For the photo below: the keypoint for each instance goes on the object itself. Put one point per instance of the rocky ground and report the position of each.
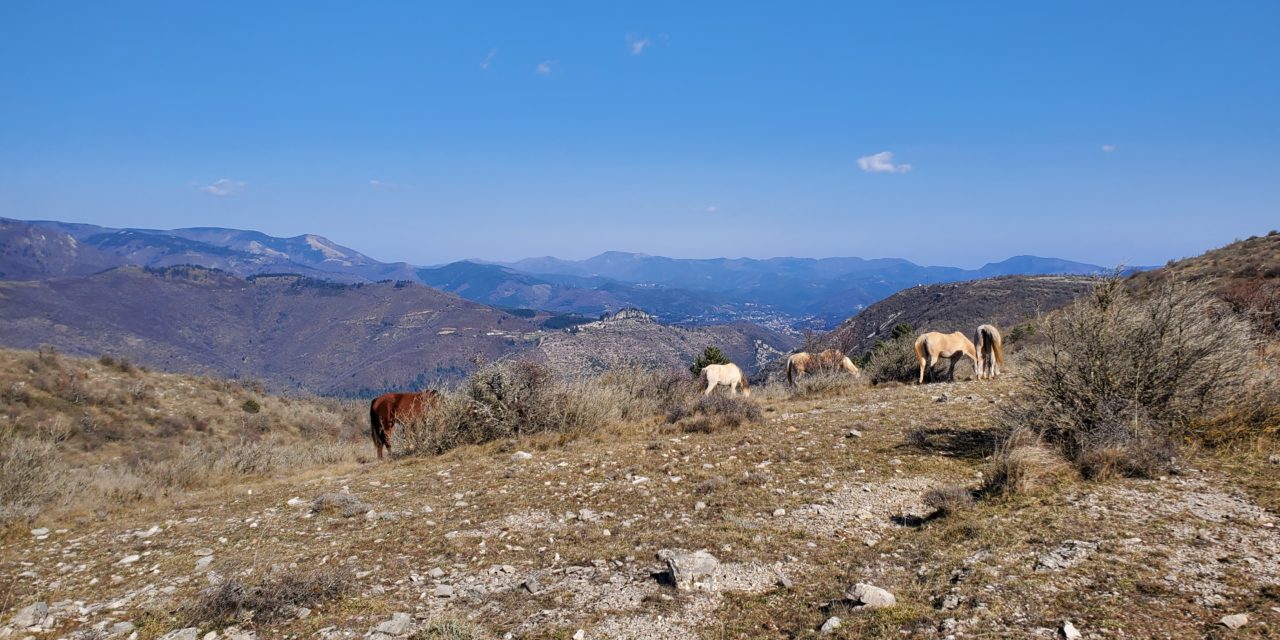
(808, 524)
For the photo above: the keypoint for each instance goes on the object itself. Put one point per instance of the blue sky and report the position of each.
(1100, 131)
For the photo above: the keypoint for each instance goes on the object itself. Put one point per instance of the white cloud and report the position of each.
(383, 185)
(224, 187)
(882, 163)
(638, 44)
(488, 59)
(544, 67)
(712, 209)
(1108, 148)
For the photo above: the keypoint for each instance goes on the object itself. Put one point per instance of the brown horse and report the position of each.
(934, 346)
(830, 360)
(389, 408)
(990, 351)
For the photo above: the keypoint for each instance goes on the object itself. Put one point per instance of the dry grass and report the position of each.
(242, 596)
(1023, 465)
(343, 504)
(948, 500)
(712, 413)
(95, 434)
(451, 630)
(826, 384)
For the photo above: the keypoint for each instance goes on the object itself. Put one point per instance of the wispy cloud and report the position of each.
(712, 209)
(638, 44)
(545, 67)
(488, 59)
(224, 187)
(383, 185)
(882, 163)
(1108, 148)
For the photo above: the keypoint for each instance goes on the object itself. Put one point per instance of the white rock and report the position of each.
(190, 633)
(397, 625)
(203, 563)
(779, 512)
(579, 634)
(203, 551)
(31, 615)
(40, 532)
(869, 596)
(1234, 621)
(436, 572)
(831, 624)
(691, 571)
(130, 559)
(522, 455)
(443, 591)
(1069, 631)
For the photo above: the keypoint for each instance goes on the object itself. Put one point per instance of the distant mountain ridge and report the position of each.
(783, 293)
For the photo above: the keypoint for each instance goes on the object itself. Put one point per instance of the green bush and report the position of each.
(710, 355)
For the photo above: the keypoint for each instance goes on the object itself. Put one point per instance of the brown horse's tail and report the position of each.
(376, 429)
(791, 372)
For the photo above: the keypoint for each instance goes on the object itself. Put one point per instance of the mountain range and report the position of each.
(782, 293)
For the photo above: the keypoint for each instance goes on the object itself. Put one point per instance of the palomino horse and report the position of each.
(934, 346)
(830, 360)
(389, 408)
(988, 343)
(725, 374)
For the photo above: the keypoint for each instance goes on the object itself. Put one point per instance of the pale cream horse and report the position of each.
(830, 360)
(725, 374)
(934, 346)
(990, 350)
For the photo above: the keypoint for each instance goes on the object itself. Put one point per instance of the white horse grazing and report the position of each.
(990, 349)
(725, 374)
(830, 360)
(934, 346)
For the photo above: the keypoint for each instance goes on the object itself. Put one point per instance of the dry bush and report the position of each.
(1120, 373)
(1023, 465)
(893, 361)
(343, 504)
(826, 383)
(240, 597)
(31, 476)
(714, 412)
(450, 630)
(948, 500)
(644, 393)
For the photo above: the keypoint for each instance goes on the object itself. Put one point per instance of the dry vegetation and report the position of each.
(97, 434)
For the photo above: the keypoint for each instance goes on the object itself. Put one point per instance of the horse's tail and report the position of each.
(791, 372)
(997, 347)
(746, 386)
(922, 348)
(376, 429)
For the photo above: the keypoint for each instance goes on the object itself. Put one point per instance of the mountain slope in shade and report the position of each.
(291, 331)
(28, 252)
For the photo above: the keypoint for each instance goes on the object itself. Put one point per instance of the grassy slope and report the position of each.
(491, 523)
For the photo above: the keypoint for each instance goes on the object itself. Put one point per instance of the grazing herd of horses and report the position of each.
(985, 350)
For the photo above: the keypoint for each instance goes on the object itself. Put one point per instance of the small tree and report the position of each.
(902, 329)
(710, 355)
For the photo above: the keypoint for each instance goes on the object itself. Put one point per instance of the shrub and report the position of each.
(715, 412)
(251, 406)
(893, 361)
(1119, 377)
(710, 355)
(276, 595)
(1022, 465)
(343, 504)
(948, 500)
(31, 476)
(825, 383)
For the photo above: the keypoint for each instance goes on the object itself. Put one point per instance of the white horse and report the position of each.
(934, 346)
(990, 349)
(725, 374)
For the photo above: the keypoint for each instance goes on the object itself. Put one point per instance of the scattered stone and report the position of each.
(579, 634)
(190, 633)
(949, 625)
(1069, 631)
(203, 551)
(691, 571)
(436, 572)
(853, 433)
(40, 532)
(31, 615)
(296, 502)
(782, 581)
(1274, 459)
(868, 596)
(699, 506)
(130, 559)
(522, 455)
(397, 625)
(531, 585)
(236, 633)
(122, 628)
(831, 624)
(443, 591)
(203, 563)
(344, 504)
(1234, 621)
(1068, 554)
(949, 601)
(779, 512)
